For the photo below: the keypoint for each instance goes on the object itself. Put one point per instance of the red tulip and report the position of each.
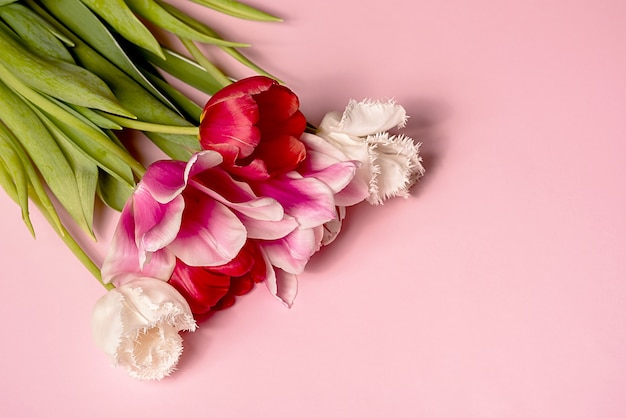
(214, 288)
(256, 125)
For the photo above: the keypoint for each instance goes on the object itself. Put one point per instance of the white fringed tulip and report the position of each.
(137, 325)
(390, 165)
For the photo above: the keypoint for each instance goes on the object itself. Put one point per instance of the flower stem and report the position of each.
(152, 127)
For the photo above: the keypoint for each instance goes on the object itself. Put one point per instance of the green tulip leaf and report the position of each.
(45, 153)
(188, 106)
(34, 32)
(113, 192)
(154, 12)
(186, 70)
(170, 145)
(8, 184)
(59, 79)
(94, 143)
(201, 27)
(19, 179)
(237, 9)
(80, 19)
(117, 14)
(36, 189)
(85, 170)
(96, 118)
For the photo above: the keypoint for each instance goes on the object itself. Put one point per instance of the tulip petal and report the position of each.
(333, 228)
(255, 170)
(292, 253)
(164, 180)
(244, 87)
(201, 288)
(308, 200)
(370, 117)
(122, 262)
(281, 154)
(330, 165)
(239, 265)
(355, 192)
(268, 230)
(200, 162)
(137, 325)
(284, 286)
(277, 104)
(396, 166)
(231, 122)
(156, 224)
(321, 153)
(237, 195)
(210, 234)
(279, 114)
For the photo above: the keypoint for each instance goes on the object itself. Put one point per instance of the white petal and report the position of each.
(370, 117)
(396, 166)
(137, 325)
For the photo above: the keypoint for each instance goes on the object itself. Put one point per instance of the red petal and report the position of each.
(244, 87)
(201, 288)
(281, 154)
(231, 122)
(239, 266)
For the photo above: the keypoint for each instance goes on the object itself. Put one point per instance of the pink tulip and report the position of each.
(194, 212)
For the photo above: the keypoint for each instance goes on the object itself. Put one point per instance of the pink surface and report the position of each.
(497, 290)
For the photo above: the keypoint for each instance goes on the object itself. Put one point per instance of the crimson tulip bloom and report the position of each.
(255, 124)
(213, 288)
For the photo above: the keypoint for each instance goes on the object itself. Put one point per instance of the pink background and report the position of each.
(497, 290)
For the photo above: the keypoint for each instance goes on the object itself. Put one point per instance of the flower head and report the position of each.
(213, 236)
(214, 288)
(138, 325)
(390, 164)
(255, 124)
(194, 212)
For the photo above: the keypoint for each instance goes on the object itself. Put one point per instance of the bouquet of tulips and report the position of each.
(247, 190)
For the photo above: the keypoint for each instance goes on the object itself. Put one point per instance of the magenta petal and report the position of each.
(164, 180)
(292, 253)
(156, 224)
(201, 161)
(281, 284)
(210, 234)
(284, 286)
(261, 208)
(337, 176)
(122, 261)
(268, 230)
(308, 200)
(320, 153)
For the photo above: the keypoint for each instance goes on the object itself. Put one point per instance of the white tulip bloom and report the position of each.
(390, 165)
(137, 325)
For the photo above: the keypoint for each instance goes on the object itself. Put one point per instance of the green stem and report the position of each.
(71, 243)
(213, 71)
(152, 127)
